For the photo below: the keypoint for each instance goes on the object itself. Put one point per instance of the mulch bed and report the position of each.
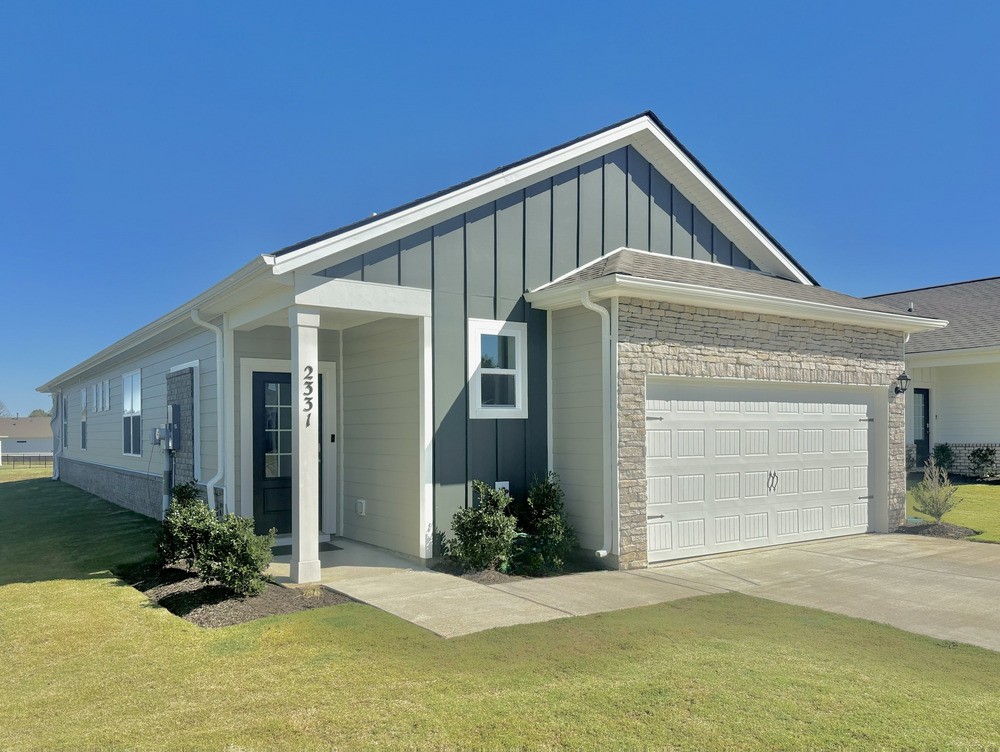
(181, 592)
(940, 530)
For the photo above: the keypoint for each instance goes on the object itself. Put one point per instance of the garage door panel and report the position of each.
(726, 473)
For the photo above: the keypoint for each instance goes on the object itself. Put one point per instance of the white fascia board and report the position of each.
(730, 300)
(969, 356)
(369, 297)
(256, 269)
(429, 212)
(706, 185)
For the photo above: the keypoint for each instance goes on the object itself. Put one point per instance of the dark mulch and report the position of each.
(493, 577)
(181, 592)
(940, 530)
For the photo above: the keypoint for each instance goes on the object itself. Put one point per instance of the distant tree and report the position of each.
(39, 413)
(4, 412)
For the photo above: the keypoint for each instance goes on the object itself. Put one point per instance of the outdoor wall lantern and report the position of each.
(902, 383)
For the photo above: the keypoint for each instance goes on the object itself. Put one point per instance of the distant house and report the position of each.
(605, 309)
(26, 436)
(955, 394)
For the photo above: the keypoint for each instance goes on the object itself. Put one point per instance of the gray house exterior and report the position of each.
(541, 317)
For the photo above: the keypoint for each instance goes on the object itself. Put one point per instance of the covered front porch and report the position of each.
(331, 418)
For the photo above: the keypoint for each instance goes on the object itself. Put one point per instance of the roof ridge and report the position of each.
(934, 287)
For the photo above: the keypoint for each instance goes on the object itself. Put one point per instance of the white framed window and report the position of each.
(132, 414)
(83, 418)
(105, 397)
(498, 369)
(65, 422)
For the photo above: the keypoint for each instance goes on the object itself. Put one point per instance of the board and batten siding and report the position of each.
(104, 428)
(479, 264)
(381, 440)
(577, 425)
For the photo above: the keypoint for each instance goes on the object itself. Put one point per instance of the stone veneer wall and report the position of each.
(675, 340)
(136, 491)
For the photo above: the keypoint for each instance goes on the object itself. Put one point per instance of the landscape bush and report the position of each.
(226, 550)
(983, 461)
(235, 557)
(944, 456)
(548, 538)
(186, 528)
(484, 533)
(934, 495)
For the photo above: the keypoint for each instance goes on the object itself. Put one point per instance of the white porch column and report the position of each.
(304, 323)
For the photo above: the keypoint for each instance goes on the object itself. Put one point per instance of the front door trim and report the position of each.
(328, 370)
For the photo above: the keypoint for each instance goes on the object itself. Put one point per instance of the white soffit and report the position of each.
(642, 133)
(681, 293)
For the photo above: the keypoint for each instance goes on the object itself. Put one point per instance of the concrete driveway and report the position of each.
(941, 588)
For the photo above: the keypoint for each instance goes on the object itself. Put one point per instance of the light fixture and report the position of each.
(902, 383)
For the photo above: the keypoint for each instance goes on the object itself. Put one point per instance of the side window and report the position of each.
(498, 361)
(132, 414)
(83, 418)
(65, 422)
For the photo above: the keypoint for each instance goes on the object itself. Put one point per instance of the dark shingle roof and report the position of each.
(653, 266)
(972, 309)
(26, 428)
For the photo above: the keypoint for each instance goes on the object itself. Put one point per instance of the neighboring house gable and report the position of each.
(955, 394)
(26, 435)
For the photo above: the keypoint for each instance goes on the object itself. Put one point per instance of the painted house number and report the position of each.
(307, 392)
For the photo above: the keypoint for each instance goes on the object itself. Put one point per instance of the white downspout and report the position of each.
(610, 492)
(220, 407)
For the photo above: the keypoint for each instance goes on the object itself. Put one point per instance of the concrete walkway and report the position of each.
(942, 588)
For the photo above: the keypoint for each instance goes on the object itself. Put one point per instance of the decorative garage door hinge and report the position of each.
(655, 516)
(866, 420)
(865, 498)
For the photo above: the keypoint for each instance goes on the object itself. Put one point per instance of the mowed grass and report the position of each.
(11, 472)
(89, 663)
(978, 508)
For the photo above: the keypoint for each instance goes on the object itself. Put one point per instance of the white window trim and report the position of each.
(125, 376)
(517, 330)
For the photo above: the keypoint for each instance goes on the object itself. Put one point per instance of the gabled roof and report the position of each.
(644, 131)
(26, 428)
(972, 309)
(631, 273)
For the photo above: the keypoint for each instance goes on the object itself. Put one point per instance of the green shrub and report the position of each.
(984, 461)
(934, 495)
(548, 538)
(186, 528)
(944, 456)
(484, 534)
(235, 557)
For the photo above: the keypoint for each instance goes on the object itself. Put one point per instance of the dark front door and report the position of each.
(272, 452)
(922, 424)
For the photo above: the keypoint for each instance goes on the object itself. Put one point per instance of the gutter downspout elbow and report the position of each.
(220, 407)
(610, 496)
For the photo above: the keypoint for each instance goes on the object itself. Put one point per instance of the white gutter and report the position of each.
(220, 391)
(610, 492)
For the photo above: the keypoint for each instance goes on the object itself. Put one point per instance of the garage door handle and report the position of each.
(655, 516)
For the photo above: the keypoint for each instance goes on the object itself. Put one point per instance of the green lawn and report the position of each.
(979, 508)
(89, 663)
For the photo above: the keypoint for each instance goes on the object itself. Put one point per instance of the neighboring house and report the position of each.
(955, 394)
(605, 309)
(25, 436)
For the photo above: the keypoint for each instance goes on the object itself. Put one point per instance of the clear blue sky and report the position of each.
(149, 149)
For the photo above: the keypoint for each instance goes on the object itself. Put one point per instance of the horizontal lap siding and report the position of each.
(381, 434)
(577, 427)
(478, 265)
(104, 429)
(963, 406)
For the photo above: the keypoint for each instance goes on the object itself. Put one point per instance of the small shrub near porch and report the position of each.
(225, 551)
(935, 494)
(525, 536)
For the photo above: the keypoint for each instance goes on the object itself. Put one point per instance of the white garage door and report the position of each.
(734, 467)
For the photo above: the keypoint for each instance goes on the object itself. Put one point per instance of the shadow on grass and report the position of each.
(50, 530)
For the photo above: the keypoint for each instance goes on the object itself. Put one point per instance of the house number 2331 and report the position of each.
(307, 393)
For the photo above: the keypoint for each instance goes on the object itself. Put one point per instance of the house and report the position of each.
(605, 309)
(955, 395)
(25, 436)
